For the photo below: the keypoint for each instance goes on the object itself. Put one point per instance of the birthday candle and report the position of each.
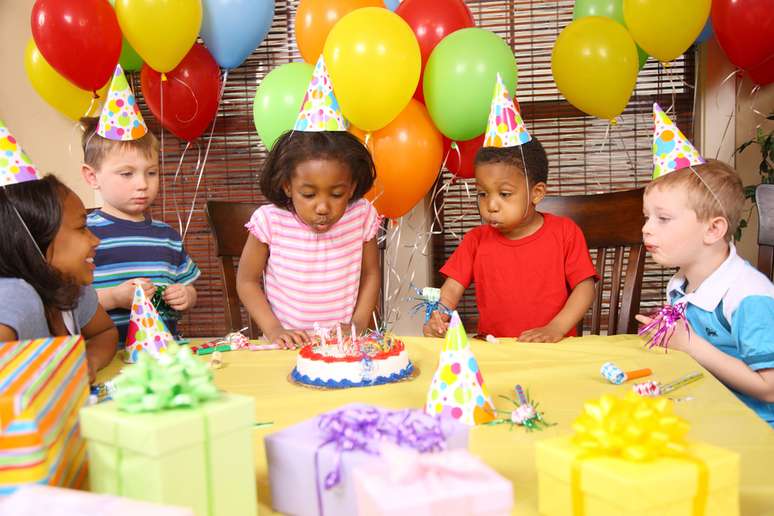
(520, 395)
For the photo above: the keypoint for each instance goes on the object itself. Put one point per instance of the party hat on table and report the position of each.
(15, 165)
(671, 149)
(121, 118)
(320, 111)
(458, 389)
(505, 127)
(147, 332)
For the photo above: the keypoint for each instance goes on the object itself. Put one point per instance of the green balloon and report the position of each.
(278, 100)
(460, 77)
(612, 9)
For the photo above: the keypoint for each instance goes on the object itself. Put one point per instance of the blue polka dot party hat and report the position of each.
(121, 119)
(671, 149)
(147, 331)
(15, 165)
(505, 127)
(320, 111)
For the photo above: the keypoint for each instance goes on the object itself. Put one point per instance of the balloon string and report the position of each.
(730, 118)
(174, 186)
(163, 182)
(196, 102)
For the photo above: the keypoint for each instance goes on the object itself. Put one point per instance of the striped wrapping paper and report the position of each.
(43, 385)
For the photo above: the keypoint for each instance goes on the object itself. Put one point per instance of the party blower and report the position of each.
(616, 375)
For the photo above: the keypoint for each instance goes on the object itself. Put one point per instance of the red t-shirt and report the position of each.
(521, 284)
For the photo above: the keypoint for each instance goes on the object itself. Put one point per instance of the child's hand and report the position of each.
(178, 297)
(680, 340)
(288, 339)
(124, 293)
(545, 333)
(437, 325)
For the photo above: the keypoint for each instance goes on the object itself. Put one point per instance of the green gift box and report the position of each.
(200, 457)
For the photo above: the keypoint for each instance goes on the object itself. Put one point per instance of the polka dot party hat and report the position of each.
(320, 111)
(458, 389)
(147, 332)
(121, 118)
(671, 149)
(505, 127)
(15, 165)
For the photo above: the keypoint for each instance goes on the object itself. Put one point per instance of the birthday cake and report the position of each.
(371, 360)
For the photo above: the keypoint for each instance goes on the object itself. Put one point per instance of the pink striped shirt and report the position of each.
(313, 277)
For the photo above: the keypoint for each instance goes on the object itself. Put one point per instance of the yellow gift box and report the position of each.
(616, 464)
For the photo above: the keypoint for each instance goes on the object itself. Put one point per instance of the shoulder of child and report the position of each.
(19, 297)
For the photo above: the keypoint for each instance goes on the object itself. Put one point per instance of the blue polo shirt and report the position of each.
(733, 309)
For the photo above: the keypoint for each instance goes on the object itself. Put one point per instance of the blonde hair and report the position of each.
(95, 147)
(714, 189)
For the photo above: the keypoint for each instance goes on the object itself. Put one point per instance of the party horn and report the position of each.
(657, 389)
(616, 375)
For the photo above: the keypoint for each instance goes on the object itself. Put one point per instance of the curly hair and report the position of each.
(295, 147)
(530, 157)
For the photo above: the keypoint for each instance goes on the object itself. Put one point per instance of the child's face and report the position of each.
(320, 190)
(503, 199)
(672, 233)
(128, 182)
(74, 246)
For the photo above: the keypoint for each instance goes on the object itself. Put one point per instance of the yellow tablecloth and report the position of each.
(560, 376)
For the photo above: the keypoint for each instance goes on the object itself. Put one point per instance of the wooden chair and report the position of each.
(764, 198)
(611, 223)
(227, 221)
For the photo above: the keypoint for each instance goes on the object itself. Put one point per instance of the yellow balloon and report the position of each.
(665, 28)
(161, 31)
(374, 62)
(60, 93)
(595, 65)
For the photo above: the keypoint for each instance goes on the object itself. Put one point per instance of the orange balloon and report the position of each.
(315, 18)
(407, 154)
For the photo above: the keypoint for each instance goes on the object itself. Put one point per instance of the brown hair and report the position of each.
(699, 184)
(95, 147)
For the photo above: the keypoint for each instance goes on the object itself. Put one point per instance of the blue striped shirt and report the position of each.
(128, 250)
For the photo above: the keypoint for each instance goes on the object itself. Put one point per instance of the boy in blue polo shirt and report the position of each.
(691, 216)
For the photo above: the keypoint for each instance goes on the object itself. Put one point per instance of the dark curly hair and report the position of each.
(295, 147)
(40, 205)
(534, 159)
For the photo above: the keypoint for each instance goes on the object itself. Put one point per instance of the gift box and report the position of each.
(55, 501)
(304, 462)
(200, 458)
(43, 384)
(438, 484)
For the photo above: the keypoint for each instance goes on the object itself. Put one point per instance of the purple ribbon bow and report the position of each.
(664, 323)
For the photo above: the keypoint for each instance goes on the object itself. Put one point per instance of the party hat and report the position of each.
(121, 118)
(458, 389)
(320, 111)
(505, 127)
(15, 165)
(671, 149)
(147, 332)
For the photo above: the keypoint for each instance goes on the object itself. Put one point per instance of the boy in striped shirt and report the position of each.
(134, 248)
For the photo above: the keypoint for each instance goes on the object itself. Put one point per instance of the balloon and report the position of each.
(594, 63)
(665, 28)
(407, 154)
(161, 31)
(191, 93)
(460, 78)
(391, 4)
(431, 22)
(278, 100)
(315, 18)
(462, 164)
(706, 32)
(79, 38)
(612, 9)
(374, 62)
(129, 60)
(232, 29)
(763, 74)
(60, 93)
(745, 30)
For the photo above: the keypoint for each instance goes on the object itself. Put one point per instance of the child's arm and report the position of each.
(370, 280)
(574, 309)
(101, 338)
(251, 266)
(121, 296)
(6, 333)
(180, 297)
(451, 293)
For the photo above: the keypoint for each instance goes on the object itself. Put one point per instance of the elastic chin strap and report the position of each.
(526, 182)
(717, 199)
(24, 225)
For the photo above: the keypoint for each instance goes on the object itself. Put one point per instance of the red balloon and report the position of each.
(191, 93)
(763, 74)
(80, 39)
(744, 29)
(461, 164)
(431, 22)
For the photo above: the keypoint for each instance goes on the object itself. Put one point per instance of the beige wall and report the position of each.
(51, 140)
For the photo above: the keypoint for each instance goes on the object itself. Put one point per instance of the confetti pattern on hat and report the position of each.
(320, 111)
(505, 127)
(671, 149)
(121, 118)
(458, 389)
(15, 165)
(147, 332)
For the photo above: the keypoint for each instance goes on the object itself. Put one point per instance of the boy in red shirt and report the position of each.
(533, 274)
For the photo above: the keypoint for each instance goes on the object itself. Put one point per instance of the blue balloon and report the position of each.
(391, 4)
(232, 29)
(706, 32)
